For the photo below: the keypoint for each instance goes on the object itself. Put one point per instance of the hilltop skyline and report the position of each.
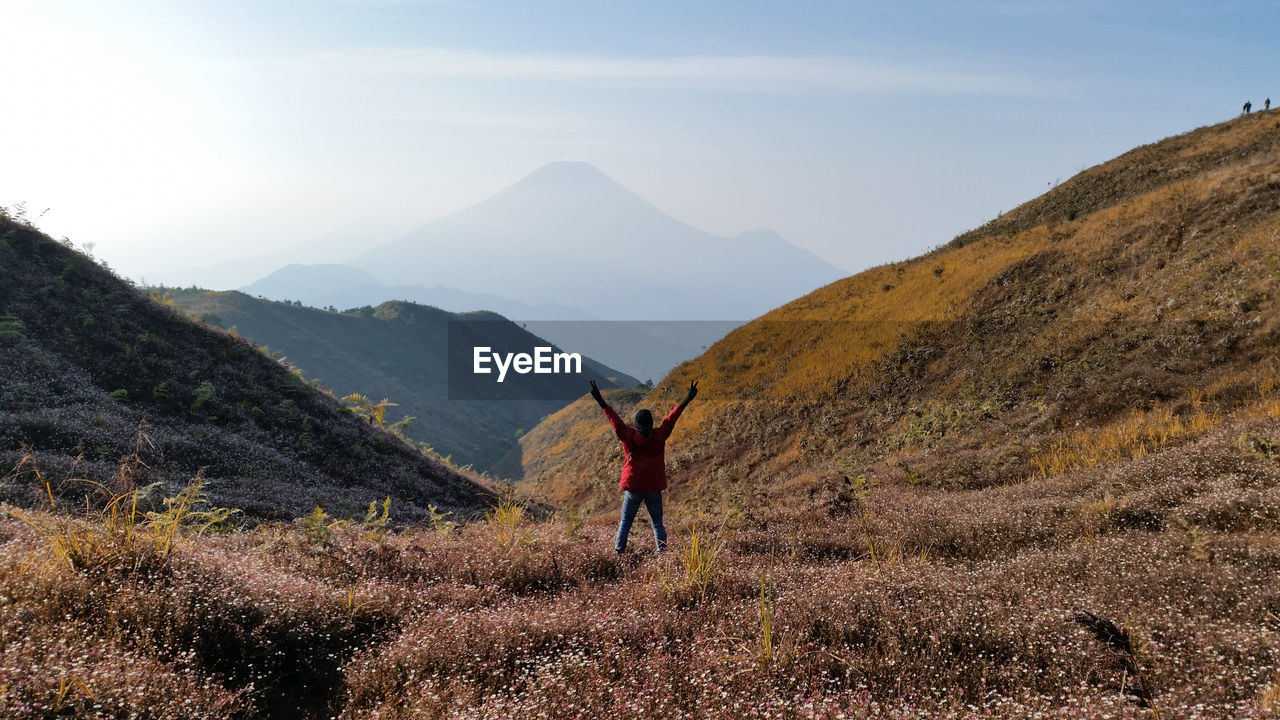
(173, 134)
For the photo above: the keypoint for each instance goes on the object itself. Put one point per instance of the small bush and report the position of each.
(204, 393)
(504, 522)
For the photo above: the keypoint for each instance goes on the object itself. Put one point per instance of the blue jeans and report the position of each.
(630, 506)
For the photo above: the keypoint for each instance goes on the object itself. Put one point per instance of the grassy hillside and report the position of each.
(398, 350)
(1127, 310)
(88, 360)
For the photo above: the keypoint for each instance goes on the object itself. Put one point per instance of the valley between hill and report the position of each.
(399, 350)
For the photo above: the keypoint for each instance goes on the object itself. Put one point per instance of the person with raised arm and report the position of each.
(644, 473)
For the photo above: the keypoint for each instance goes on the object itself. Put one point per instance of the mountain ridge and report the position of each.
(344, 287)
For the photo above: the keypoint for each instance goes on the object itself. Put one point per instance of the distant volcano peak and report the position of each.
(563, 174)
(563, 192)
(569, 168)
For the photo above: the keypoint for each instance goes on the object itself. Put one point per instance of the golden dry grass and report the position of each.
(1142, 433)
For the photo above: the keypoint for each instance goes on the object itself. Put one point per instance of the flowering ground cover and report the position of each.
(906, 602)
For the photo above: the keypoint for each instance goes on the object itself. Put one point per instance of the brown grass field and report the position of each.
(853, 601)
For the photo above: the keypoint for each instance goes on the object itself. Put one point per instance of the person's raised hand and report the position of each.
(595, 393)
(693, 392)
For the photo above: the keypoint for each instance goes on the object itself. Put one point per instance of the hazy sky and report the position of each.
(174, 133)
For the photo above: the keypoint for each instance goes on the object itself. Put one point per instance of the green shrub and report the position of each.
(316, 526)
(204, 392)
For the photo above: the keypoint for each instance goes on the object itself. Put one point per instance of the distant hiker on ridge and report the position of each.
(1266, 104)
(644, 474)
(1247, 107)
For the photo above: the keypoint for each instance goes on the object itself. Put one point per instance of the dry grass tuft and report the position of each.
(689, 570)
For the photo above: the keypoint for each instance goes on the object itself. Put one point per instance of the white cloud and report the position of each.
(747, 73)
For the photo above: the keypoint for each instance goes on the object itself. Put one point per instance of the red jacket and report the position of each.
(646, 467)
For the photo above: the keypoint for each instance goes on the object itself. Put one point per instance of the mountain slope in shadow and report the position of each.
(88, 359)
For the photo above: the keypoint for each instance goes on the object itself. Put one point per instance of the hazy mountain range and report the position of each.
(568, 234)
(569, 243)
